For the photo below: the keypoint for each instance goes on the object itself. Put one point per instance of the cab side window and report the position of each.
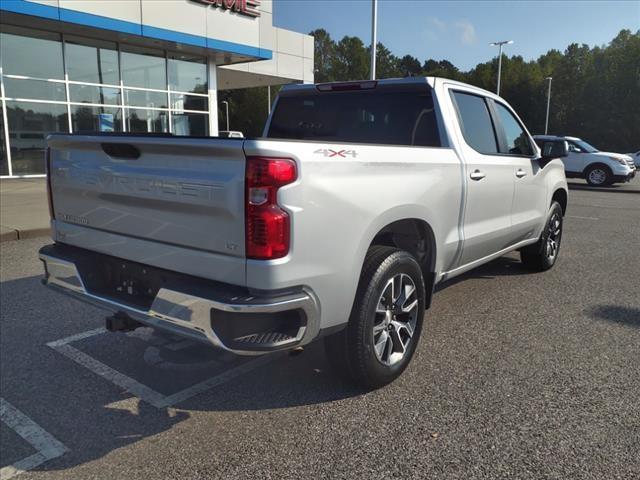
(574, 148)
(517, 140)
(475, 120)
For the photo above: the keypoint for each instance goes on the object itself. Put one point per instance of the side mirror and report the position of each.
(552, 149)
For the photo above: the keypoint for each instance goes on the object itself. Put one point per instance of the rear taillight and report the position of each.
(47, 161)
(267, 225)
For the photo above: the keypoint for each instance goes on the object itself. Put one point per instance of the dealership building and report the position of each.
(132, 66)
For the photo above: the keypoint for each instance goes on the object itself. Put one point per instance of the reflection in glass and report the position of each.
(144, 71)
(32, 57)
(29, 125)
(517, 139)
(91, 94)
(147, 121)
(187, 74)
(181, 102)
(35, 89)
(143, 98)
(4, 159)
(85, 119)
(195, 124)
(91, 64)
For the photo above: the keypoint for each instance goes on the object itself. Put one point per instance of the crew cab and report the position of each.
(359, 198)
(597, 168)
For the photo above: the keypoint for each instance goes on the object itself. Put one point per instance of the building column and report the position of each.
(213, 97)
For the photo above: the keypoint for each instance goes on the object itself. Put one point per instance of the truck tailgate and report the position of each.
(182, 192)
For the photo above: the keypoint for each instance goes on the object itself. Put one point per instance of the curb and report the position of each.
(8, 236)
(13, 234)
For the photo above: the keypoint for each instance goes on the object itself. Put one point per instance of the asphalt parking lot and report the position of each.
(518, 375)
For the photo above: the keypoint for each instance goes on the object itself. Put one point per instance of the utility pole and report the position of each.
(546, 123)
(499, 45)
(226, 104)
(269, 98)
(374, 37)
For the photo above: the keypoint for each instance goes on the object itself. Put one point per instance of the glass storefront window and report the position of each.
(181, 102)
(187, 74)
(96, 119)
(34, 89)
(143, 98)
(92, 62)
(163, 91)
(31, 56)
(144, 70)
(147, 121)
(92, 94)
(4, 159)
(195, 124)
(29, 125)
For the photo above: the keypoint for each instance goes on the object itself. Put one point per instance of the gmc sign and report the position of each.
(244, 7)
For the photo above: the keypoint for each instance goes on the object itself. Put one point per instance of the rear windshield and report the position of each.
(379, 117)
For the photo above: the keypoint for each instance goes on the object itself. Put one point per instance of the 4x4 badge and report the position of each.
(327, 152)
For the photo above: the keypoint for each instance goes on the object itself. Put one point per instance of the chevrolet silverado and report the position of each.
(337, 223)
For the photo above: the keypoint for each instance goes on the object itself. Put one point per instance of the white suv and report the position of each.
(636, 158)
(596, 167)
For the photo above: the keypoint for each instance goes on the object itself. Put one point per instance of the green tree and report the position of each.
(409, 66)
(387, 64)
(248, 109)
(442, 68)
(350, 60)
(324, 50)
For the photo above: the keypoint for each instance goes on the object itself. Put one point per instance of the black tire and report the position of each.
(352, 351)
(598, 176)
(542, 255)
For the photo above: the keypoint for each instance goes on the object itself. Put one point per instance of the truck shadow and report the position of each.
(93, 417)
(500, 267)
(617, 188)
(616, 314)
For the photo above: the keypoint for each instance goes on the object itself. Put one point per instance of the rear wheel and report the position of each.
(386, 320)
(543, 254)
(599, 176)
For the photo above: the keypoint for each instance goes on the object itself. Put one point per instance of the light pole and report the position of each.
(546, 123)
(500, 44)
(374, 35)
(226, 104)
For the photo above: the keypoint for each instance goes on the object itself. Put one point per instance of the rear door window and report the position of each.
(475, 122)
(376, 117)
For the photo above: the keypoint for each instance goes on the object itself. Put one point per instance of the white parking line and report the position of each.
(138, 389)
(132, 386)
(583, 218)
(75, 338)
(47, 447)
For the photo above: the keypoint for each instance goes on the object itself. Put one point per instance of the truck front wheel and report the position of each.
(385, 322)
(543, 254)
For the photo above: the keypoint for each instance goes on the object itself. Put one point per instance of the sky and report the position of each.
(460, 31)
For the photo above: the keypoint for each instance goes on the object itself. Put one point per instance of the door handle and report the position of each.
(521, 173)
(477, 175)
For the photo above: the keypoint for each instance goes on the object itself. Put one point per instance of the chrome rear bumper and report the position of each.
(191, 315)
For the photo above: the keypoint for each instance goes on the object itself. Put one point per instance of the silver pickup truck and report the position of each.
(359, 198)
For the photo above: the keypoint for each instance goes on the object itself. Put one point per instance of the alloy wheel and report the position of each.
(597, 176)
(554, 234)
(396, 317)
